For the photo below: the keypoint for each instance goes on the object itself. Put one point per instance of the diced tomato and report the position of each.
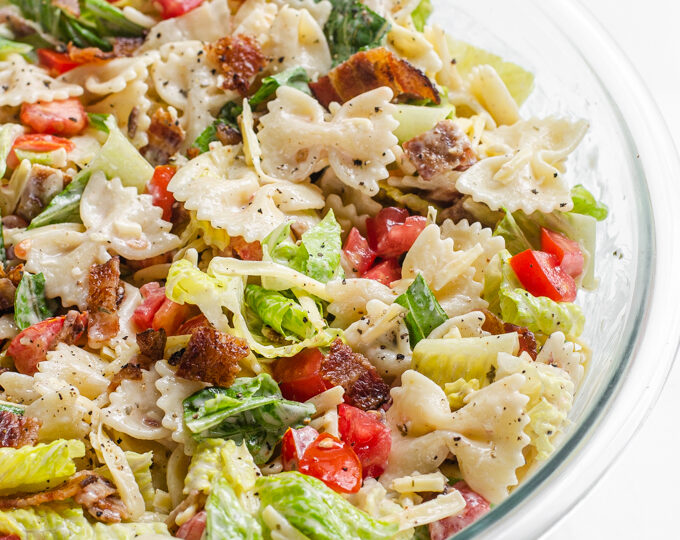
(193, 529)
(158, 189)
(299, 376)
(541, 275)
(368, 436)
(189, 326)
(385, 272)
(392, 232)
(154, 296)
(175, 8)
(56, 62)
(475, 507)
(333, 462)
(37, 142)
(170, 316)
(294, 444)
(66, 117)
(30, 346)
(567, 251)
(358, 252)
(247, 251)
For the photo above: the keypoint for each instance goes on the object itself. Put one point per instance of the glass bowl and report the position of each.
(628, 161)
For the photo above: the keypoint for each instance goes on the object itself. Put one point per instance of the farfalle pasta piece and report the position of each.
(133, 409)
(223, 190)
(411, 45)
(448, 272)
(382, 336)
(299, 138)
(525, 165)
(297, 39)
(557, 351)
(255, 18)
(77, 367)
(22, 82)
(350, 297)
(320, 10)
(487, 87)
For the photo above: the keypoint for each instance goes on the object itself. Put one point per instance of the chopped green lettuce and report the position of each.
(12, 407)
(28, 468)
(65, 206)
(97, 21)
(585, 203)
(98, 121)
(295, 77)
(8, 132)
(421, 14)
(520, 82)
(415, 120)
(251, 411)
(353, 27)
(424, 312)
(228, 116)
(8, 47)
(318, 512)
(473, 358)
(279, 312)
(388, 195)
(226, 518)
(513, 304)
(140, 464)
(318, 253)
(30, 304)
(41, 158)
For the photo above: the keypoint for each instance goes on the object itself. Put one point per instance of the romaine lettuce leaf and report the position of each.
(228, 116)
(8, 132)
(415, 120)
(251, 411)
(585, 203)
(140, 464)
(421, 14)
(29, 467)
(352, 27)
(8, 47)
(317, 511)
(226, 518)
(65, 206)
(98, 121)
(295, 77)
(424, 312)
(30, 304)
(279, 312)
(12, 407)
(513, 304)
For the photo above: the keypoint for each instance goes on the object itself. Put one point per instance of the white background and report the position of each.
(638, 498)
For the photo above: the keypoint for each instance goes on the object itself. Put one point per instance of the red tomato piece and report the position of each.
(170, 316)
(153, 297)
(294, 444)
(158, 189)
(368, 436)
(56, 62)
(392, 232)
(30, 346)
(37, 142)
(475, 507)
(358, 252)
(299, 376)
(247, 251)
(541, 275)
(66, 117)
(567, 251)
(175, 8)
(385, 272)
(193, 529)
(333, 462)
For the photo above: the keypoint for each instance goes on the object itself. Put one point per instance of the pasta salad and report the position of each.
(277, 269)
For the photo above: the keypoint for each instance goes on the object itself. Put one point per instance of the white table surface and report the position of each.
(638, 497)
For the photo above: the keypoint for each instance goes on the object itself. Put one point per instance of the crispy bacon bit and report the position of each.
(95, 493)
(193, 529)
(7, 290)
(42, 185)
(131, 372)
(122, 46)
(152, 343)
(364, 388)
(227, 135)
(239, 58)
(443, 148)
(495, 326)
(73, 327)
(212, 356)
(165, 137)
(247, 251)
(368, 70)
(190, 325)
(17, 431)
(102, 301)
(14, 274)
(13, 221)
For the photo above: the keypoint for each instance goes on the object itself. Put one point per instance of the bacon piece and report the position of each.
(364, 388)
(7, 290)
(94, 492)
(239, 58)
(152, 343)
(227, 135)
(102, 301)
(13, 221)
(42, 185)
(74, 325)
(190, 325)
(193, 529)
(247, 251)
(495, 326)
(122, 46)
(443, 148)
(165, 137)
(17, 431)
(368, 70)
(212, 356)
(131, 371)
